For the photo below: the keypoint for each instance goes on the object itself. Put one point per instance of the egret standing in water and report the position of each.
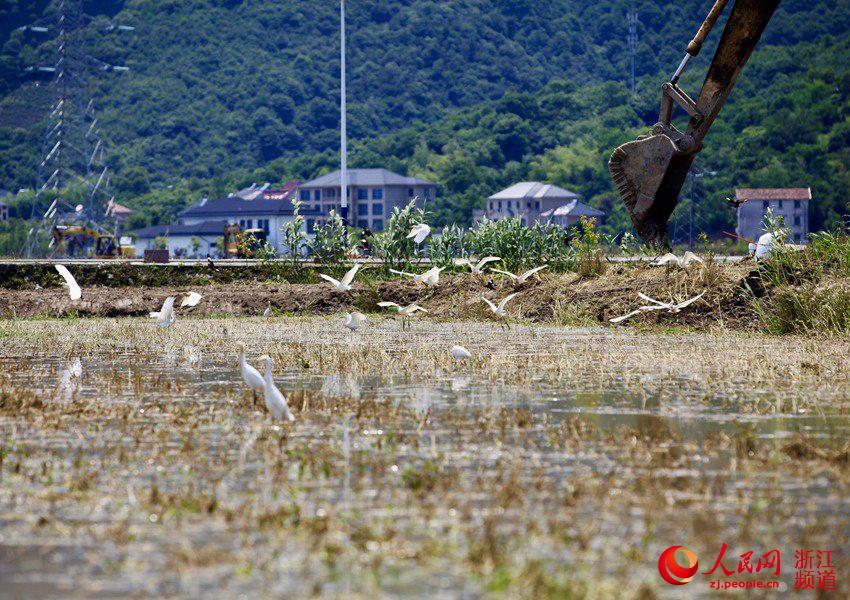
(275, 401)
(250, 375)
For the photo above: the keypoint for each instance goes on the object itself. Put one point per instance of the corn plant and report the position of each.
(333, 242)
(444, 248)
(294, 238)
(392, 245)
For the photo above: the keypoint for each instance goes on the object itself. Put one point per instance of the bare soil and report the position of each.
(564, 299)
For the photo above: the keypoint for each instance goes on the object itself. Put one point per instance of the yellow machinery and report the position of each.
(66, 239)
(242, 243)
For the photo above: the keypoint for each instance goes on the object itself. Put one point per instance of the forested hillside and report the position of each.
(474, 94)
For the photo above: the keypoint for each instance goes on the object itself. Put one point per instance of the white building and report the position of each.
(532, 201)
(189, 241)
(256, 207)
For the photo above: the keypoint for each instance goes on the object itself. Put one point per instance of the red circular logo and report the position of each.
(674, 572)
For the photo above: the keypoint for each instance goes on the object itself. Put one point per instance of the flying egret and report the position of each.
(354, 320)
(685, 261)
(73, 288)
(476, 268)
(250, 375)
(405, 311)
(671, 307)
(520, 279)
(461, 353)
(499, 310)
(275, 400)
(419, 233)
(190, 299)
(165, 316)
(430, 278)
(345, 284)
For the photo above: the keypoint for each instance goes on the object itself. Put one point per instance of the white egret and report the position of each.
(765, 247)
(520, 279)
(671, 307)
(354, 320)
(419, 233)
(461, 353)
(476, 268)
(190, 299)
(499, 310)
(686, 260)
(250, 375)
(73, 288)
(268, 312)
(430, 278)
(165, 316)
(275, 400)
(345, 284)
(405, 311)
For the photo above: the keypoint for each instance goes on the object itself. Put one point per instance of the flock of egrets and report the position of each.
(264, 384)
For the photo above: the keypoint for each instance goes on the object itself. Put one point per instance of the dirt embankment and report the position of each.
(557, 298)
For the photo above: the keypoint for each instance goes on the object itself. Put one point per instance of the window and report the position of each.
(427, 194)
(246, 223)
(410, 193)
(796, 219)
(362, 209)
(797, 204)
(317, 195)
(362, 194)
(377, 225)
(528, 204)
(378, 208)
(264, 225)
(331, 193)
(537, 205)
(765, 205)
(311, 225)
(780, 204)
(304, 195)
(500, 205)
(362, 223)
(377, 194)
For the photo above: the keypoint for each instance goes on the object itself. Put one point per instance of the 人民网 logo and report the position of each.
(674, 572)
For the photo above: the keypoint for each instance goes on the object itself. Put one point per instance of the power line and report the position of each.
(73, 147)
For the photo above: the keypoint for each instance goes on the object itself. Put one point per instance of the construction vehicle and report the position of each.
(649, 172)
(243, 243)
(68, 239)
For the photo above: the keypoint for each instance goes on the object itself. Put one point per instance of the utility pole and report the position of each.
(633, 20)
(343, 170)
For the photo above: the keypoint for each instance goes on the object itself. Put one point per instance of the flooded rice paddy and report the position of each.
(558, 462)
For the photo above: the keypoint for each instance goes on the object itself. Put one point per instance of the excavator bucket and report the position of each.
(638, 170)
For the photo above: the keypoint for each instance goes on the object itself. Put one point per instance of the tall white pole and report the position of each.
(343, 133)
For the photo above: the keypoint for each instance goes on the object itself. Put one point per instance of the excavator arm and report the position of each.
(649, 172)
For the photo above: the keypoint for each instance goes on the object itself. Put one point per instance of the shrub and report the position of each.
(444, 248)
(590, 260)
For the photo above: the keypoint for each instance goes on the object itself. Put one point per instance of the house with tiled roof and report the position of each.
(536, 202)
(255, 207)
(791, 204)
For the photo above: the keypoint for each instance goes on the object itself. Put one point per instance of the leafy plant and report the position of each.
(590, 260)
(333, 242)
(449, 245)
(294, 238)
(392, 245)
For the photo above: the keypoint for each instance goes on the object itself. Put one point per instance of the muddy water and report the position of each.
(150, 473)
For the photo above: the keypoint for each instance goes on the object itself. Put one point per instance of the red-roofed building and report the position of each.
(792, 204)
